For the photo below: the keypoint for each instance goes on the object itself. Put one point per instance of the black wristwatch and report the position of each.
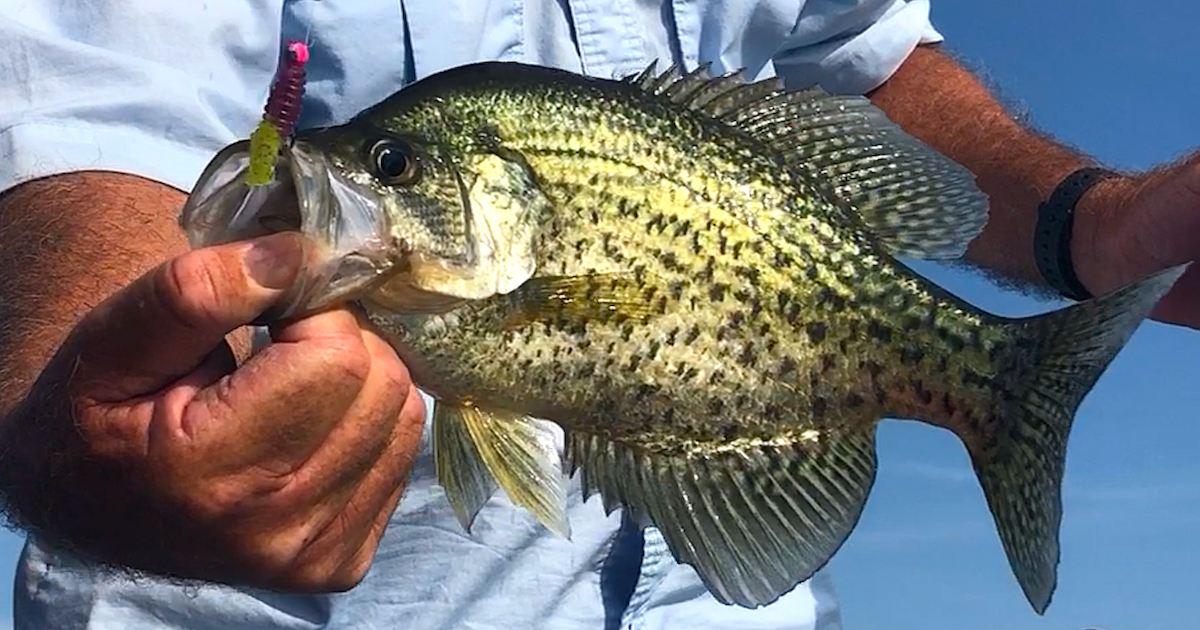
(1052, 234)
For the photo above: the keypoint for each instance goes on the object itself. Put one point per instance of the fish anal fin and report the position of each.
(755, 519)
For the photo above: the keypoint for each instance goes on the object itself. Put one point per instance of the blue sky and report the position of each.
(1118, 80)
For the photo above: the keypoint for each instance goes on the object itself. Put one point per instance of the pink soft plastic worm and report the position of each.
(283, 105)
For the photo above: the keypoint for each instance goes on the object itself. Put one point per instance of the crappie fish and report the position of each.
(696, 278)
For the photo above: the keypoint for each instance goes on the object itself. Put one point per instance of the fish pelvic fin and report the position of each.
(476, 450)
(1021, 468)
(753, 519)
(465, 478)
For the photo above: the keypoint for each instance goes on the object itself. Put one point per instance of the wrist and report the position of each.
(1096, 250)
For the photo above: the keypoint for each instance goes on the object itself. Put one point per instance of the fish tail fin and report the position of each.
(1059, 358)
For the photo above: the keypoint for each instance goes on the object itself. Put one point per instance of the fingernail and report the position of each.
(273, 261)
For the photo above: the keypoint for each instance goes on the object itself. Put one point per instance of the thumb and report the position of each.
(167, 322)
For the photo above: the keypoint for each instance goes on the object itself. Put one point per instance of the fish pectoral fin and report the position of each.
(606, 298)
(755, 521)
(520, 453)
(916, 201)
(461, 471)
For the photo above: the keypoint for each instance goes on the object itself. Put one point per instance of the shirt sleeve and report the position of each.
(135, 86)
(853, 47)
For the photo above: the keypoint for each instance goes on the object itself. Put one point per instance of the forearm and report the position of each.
(937, 100)
(66, 243)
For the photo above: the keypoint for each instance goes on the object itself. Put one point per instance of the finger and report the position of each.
(166, 322)
(276, 410)
(355, 445)
(355, 568)
(341, 553)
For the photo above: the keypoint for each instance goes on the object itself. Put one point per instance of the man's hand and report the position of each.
(144, 444)
(1129, 228)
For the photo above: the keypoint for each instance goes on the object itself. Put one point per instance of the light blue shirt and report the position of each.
(155, 88)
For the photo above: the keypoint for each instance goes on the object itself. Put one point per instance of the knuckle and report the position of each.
(192, 289)
(270, 553)
(347, 359)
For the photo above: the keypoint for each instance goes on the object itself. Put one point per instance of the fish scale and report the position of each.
(697, 279)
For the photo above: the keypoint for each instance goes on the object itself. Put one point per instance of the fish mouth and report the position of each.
(346, 229)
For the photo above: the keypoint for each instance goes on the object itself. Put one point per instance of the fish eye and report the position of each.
(395, 163)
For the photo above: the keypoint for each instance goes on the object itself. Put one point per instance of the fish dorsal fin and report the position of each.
(475, 450)
(753, 520)
(916, 201)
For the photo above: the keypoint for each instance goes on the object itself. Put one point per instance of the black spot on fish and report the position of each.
(736, 319)
(717, 291)
(755, 306)
(627, 331)
(748, 355)
(828, 362)
(716, 406)
(634, 362)
(827, 297)
(783, 298)
(782, 260)
(742, 295)
(722, 332)
(670, 262)
(676, 289)
(747, 273)
(657, 222)
(819, 407)
(816, 331)
(729, 431)
(873, 368)
(706, 275)
(911, 355)
(948, 404)
(787, 366)
(736, 252)
(682, 228)
(880, 331)
(692, 335)
(793, 313)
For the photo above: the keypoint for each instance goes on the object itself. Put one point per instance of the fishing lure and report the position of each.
(279, 116)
